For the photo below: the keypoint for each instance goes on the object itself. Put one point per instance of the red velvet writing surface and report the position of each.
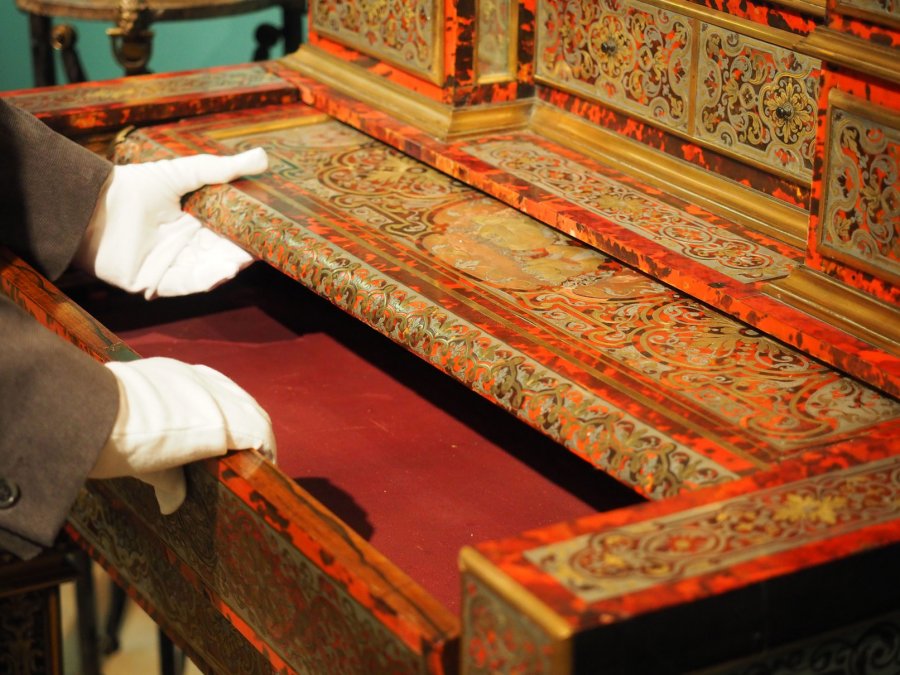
(414, 462)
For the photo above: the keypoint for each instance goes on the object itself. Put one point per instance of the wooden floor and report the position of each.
(138, 652)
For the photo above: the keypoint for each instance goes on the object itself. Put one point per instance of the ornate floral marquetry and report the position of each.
(495, 40)
(185, 604)
(758, 100)
(861, 207)
(224, 543)
(693, 237)
(147, 89)
(449, 272)
(717, 536)
(403, 32)
(630, 55)
(498, 638)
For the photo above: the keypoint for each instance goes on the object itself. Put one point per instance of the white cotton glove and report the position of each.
(140, 240)
(172, 413)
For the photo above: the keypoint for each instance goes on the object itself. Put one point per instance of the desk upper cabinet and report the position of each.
(659, 233)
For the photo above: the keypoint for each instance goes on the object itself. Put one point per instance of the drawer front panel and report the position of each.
(860, 214)
(757, 100)
(402, 32)
(631, 56)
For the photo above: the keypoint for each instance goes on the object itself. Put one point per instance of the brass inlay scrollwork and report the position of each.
(636, 58)
(757, 99)
(713, 537)
(861, 205)
(406, 33)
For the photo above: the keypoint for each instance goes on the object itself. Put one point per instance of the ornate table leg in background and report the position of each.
(30, 627)
(41, 54)
(132, 40)
(63, 39)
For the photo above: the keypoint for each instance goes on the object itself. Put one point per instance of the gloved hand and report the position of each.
(140, 240)
(172, 413)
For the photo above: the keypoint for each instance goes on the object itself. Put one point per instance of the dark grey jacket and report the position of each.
(57, 405)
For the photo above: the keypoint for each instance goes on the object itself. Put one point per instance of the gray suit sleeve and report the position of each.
(57, 405)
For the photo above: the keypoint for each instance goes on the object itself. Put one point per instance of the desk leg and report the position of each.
(85, 601)
(41, 51)
(292, 17)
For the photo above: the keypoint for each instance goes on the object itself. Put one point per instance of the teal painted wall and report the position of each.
(181, 45)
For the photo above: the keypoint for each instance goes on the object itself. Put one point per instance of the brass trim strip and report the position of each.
(838, 98)
(737, 24)
(814, 8)
(512, 50)
(719, 195)
(557, 628)
(265, 127)
(852, 52)
(489, 118)
(848, 309)
(434, 118)
(867, 15)
(377, 92)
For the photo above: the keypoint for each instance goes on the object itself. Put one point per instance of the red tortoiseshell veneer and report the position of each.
(564, 338)
(111, 105)
(623, 324)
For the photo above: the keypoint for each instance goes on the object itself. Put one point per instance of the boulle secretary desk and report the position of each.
(578, 322)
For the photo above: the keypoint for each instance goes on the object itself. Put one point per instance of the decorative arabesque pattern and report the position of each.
(465, 270)
(717, 536)
(185, 606)
(698, 239)
(614, 314)
(861, 214)
(498, 638)
(403, 32)
(757, 99)
(312, 619)
(151, 89)
(633, 56)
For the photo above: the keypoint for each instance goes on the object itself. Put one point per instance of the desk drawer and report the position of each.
(348, 553)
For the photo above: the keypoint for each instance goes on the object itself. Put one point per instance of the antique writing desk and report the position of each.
(573, 242)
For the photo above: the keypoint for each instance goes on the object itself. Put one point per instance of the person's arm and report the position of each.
(64, 417)
(57, 406)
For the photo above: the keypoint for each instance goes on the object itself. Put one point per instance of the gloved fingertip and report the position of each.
(169, 486)
(254, 161)
(170, 500)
